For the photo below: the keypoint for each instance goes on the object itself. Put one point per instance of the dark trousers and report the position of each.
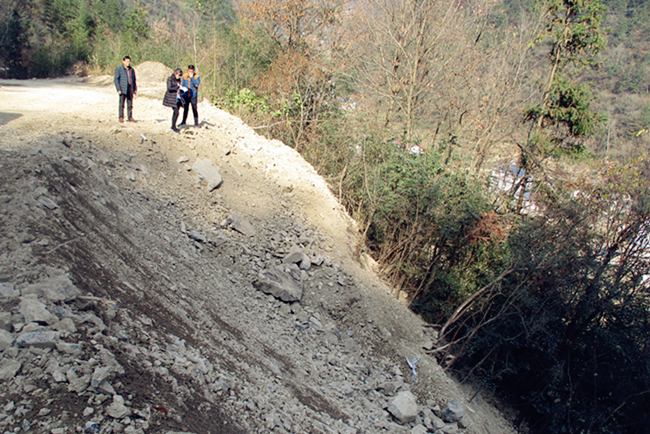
(195, 111)
(174, 115)
(129, 104)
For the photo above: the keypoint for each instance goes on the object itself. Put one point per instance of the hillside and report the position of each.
(129, 291)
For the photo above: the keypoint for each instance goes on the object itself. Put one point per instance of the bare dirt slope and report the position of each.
(139, 297)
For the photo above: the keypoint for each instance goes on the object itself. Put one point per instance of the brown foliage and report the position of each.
(490, 228)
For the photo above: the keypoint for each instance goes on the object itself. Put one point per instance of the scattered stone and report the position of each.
(207, 171)
(8, 370)
(419, 429)
(390, 388)
(91, 427)
(100, 374)
(5, 320)
(54, 290)
(429, 345)
(437, 422)
(65, 325)
(463, 423)
(316, 323)
(183, 159)
(68, 347)
(35, 311)
(404, 407)
(450, 429)
(40, 339)
(47, 202)
(292, 258)
(241, 225)
(59, 376)
(7, 290)
(197, 236)
(106, 388)
(117, 410)
(454, 412)
(279, 284)
(346, 389)
(77, 384)
(44, 411)
(6, 339)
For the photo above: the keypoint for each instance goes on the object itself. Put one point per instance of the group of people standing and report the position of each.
(182, 91)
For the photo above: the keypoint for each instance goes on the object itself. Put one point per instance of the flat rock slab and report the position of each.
(207, 171)
(35, 311)
(54, 290)
(242, 226)
(9, 369)
(279, 284)
(8, 290)
(46, 339)
(6, 339)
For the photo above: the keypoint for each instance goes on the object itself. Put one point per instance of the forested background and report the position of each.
(494, 153)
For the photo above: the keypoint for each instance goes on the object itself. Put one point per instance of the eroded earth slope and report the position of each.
(130, 292)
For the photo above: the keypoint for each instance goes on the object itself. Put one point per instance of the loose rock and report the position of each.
(404, 407)
(279, 284)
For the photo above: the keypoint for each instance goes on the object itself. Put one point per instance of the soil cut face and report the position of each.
(129, 290)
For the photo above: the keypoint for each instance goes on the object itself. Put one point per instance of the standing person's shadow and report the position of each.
(5, 118)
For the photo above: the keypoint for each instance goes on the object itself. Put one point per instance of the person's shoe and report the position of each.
(132, 120)
(196, 124)
(121, 119)
(182, 124)
(176, 130)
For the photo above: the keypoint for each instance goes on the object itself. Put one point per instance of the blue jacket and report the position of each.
(122, 80)
(193, 84)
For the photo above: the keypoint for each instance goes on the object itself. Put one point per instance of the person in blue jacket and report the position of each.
(192, 80)
(126, 86)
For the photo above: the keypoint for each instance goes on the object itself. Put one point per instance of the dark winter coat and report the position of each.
(172, 88)
(121, 80)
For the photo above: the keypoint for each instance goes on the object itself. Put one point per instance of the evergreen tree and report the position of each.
(563, 118)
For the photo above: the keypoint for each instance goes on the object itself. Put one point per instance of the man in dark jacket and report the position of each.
(126, 88)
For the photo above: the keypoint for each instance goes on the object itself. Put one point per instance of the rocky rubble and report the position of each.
(137, 298)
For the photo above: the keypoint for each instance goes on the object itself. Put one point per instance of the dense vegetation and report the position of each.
(494, 153)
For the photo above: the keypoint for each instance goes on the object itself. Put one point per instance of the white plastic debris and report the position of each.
(412, 366)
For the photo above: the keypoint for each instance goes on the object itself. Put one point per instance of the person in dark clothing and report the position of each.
(170, 99)
(126, 86)
(192, 80)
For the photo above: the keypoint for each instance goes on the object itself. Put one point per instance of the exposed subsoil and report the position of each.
(116, 208)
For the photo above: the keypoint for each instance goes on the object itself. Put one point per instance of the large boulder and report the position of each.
(207, 171)
(454, 411)
(404, 407)
(279, 284)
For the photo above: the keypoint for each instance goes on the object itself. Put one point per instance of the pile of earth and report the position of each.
(141, 293)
